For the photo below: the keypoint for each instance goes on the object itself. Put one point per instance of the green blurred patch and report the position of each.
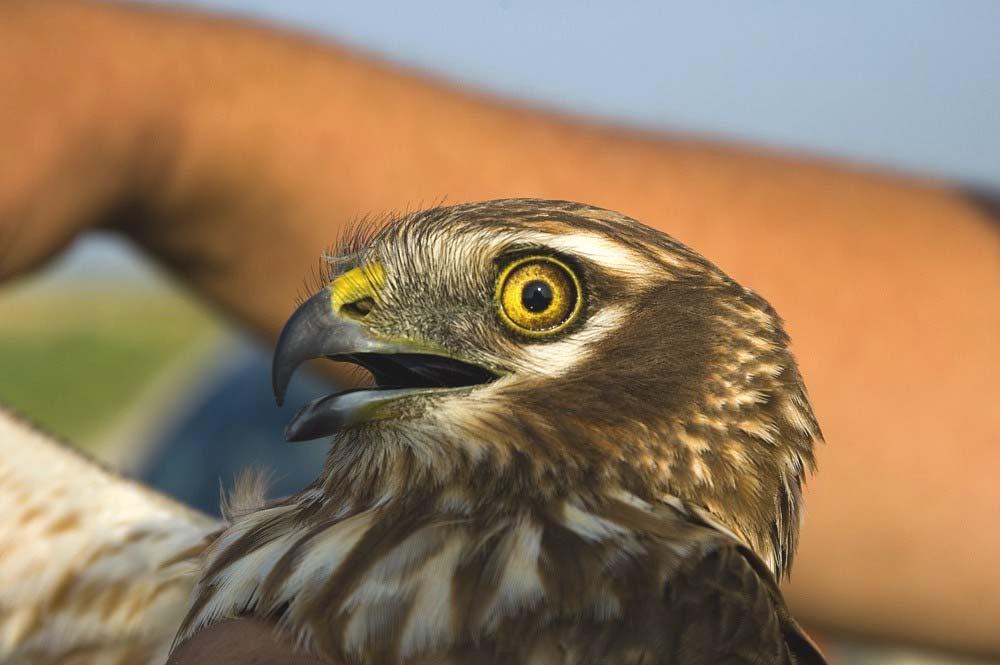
(75, 361)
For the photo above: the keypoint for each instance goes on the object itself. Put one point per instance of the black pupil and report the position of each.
(536, 296)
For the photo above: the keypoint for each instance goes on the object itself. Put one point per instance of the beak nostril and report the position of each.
(358, 309)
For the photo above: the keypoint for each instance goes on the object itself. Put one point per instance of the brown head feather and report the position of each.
(689, 390)
(667, 420)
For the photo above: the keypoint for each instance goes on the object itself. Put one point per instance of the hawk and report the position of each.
(583, 444)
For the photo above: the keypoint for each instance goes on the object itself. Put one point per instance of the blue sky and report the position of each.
(912, 84)
(915, 84)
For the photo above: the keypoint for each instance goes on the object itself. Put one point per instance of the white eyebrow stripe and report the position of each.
(597, 249)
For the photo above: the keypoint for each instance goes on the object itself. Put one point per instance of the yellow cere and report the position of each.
(356, 284)
(554, 311)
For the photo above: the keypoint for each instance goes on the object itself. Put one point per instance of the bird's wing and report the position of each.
(725, 607)
(93, 567)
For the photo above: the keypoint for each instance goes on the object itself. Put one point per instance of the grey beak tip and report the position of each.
(302, 427)
(291, 431)
(300, 340)
(278, 386)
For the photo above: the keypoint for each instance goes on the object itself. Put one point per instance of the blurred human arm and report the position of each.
(235, 154)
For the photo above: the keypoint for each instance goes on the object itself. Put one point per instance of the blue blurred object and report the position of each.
(234, 424)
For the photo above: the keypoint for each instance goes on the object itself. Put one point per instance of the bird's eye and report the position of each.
(538, 295)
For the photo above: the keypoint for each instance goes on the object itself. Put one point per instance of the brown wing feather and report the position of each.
(726, 608)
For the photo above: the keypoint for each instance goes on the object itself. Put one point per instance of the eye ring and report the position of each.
(538, 296)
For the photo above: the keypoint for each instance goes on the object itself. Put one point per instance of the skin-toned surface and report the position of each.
(244, 642)
(987, 200)
(235, 155)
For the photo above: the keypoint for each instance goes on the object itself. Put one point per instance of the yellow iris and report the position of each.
(538, 295)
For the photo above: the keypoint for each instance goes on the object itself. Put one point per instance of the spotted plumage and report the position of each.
(623, 487)
(615, 480)
(94, 569)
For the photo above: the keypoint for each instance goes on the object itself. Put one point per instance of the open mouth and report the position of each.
(400, 368)
(418, 370)
(396, 375)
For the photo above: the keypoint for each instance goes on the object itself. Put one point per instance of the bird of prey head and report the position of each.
(584, 444)
(526, 349)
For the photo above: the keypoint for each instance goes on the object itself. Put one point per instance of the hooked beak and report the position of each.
(400, 368)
